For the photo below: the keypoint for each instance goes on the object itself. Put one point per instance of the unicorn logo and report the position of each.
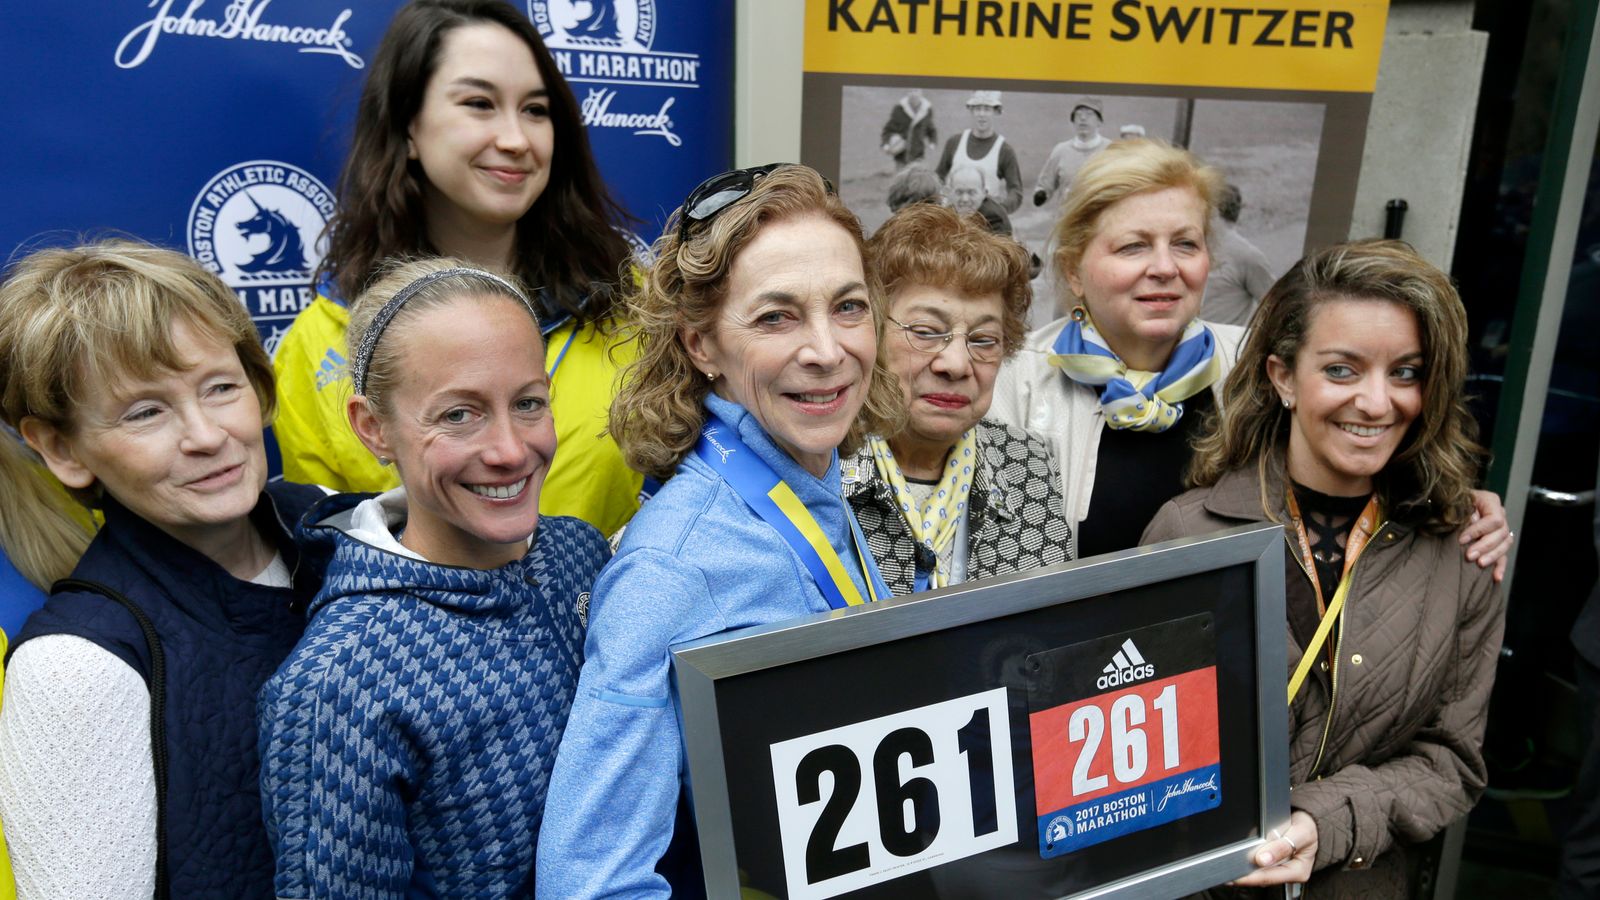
(284, 253)
(258, 226)
(628, 25)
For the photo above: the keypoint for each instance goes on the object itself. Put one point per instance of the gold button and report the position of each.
(1324, 665)
(1358, 861)
(1356, 660)
(1389, 536)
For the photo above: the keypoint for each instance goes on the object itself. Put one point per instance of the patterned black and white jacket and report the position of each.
(1015, 520)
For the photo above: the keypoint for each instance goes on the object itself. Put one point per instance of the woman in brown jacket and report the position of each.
(1344, 421)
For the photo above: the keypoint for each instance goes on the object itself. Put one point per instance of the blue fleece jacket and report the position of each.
(406, 743)
(695, 561)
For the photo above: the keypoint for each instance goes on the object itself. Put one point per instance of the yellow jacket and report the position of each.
(587, 479)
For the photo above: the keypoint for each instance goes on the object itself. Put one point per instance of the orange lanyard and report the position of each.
(1361, 532)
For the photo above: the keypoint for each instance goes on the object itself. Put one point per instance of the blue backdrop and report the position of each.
(218, 126)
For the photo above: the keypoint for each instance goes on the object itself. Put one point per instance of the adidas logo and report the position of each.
(333, 368)
(1126, 667)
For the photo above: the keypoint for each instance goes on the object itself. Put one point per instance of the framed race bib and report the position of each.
(1112, 727)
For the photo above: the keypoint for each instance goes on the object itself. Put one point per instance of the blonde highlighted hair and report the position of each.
(385, 365)
(936, 246)
(1430, 478)
(42, 530)
(75, 321)
(659, 410)
(1121, 170)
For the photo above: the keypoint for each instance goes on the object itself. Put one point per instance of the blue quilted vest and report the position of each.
(222, 639)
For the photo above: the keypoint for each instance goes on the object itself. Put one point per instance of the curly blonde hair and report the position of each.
(659, 410)
(934, 245)
(1431, 475)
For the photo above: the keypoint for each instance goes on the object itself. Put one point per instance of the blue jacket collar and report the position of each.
(756, 437)
(358, 568)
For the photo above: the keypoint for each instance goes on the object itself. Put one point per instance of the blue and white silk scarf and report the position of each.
(1132, 399)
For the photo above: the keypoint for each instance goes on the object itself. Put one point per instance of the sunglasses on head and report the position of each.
(719, 192)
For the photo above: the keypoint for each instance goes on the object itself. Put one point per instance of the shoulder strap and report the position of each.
(158, 711)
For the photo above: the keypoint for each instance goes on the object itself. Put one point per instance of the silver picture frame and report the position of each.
(699, 665)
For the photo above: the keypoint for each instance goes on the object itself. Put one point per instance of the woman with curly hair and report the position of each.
(953, 496)
(468, 143)
(1344, 420)
(758, 327)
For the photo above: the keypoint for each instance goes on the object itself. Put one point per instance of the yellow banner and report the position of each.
(1299, 45)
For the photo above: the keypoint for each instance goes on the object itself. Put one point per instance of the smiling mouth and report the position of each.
(217, 477)
(499, 492)
(1363, 430)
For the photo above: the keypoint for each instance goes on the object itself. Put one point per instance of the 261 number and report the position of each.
(1129, 748)
(907, 811)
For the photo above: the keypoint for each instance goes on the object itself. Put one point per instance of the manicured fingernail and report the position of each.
(1264, 858)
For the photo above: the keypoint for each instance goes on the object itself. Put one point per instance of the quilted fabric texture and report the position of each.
(407, 741)
(222, 638)
(1015, 522)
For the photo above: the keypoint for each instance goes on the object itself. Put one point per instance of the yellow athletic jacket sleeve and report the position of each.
(313, 433)
(587, 479)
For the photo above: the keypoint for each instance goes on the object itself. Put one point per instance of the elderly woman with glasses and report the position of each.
(952, 496)
(758, 360)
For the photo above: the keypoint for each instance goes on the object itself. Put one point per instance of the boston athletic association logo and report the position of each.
(258, 225)
(609, 46)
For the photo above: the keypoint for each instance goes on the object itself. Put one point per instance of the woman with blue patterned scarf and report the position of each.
(1123, 385)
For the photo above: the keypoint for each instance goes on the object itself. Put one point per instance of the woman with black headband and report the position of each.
(759, 339)
(407, 741)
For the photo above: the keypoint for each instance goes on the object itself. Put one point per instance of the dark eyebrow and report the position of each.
(470, 81)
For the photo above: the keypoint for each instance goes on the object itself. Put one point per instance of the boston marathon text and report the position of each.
(1130, 20)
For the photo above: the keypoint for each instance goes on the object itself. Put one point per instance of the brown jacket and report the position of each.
(1403, 756)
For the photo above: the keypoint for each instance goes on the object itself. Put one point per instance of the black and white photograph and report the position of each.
(1011, 156)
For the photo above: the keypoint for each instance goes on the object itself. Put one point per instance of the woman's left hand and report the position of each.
(1288, 858)
(1488, 535)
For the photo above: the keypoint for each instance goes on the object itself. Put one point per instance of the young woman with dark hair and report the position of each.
(468, 143)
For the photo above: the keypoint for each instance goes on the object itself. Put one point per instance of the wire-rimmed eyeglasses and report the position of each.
(929, 337)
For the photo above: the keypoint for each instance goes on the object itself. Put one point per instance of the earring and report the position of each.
(383, 460)
(711, 376)
(1287, 404)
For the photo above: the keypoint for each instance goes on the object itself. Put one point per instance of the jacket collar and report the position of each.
(193, 581)
(362, 567)
(860, 475)
(1238, 495)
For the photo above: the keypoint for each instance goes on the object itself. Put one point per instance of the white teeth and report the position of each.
(505, 492)
(1360, 431)
(818, 398)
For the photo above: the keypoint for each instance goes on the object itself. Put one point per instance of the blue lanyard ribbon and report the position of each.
(562, 354)
(777, 504)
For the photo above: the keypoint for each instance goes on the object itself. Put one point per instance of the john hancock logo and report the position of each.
(257, 226)
(611, 43)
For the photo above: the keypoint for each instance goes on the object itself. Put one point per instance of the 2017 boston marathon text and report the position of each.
(1130, 19)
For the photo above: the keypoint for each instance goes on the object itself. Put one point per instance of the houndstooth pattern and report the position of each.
(1015, 522)
(415, 726)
